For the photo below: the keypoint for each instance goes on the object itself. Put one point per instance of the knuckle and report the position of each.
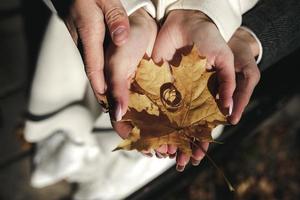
(252, 75)
(115, 14)
(224, 56)
(257, 75)
(87, 29)
(91, 72)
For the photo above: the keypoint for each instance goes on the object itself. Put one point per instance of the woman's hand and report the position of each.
(121, 63)
(183, 28)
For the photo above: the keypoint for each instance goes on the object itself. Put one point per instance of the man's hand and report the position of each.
(85, 20)
(245, 49)
(183, 28)
(121, 63)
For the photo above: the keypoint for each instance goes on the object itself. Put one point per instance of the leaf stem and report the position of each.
(230, 187)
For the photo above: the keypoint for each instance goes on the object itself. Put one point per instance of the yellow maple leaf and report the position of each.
(172, 105)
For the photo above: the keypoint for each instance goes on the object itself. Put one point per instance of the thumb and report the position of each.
(117, 73)
(117, 85)
(163, 49)
(172, 36)
(117, 20)
(122, 61)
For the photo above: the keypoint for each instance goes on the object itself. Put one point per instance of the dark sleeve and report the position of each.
(277, 25)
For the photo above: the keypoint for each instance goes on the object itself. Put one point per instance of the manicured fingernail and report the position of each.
(119, 33)
(195, 162)
(118, 114)
(149, 155)
(159, 155)
(230, 108)
(180, 168)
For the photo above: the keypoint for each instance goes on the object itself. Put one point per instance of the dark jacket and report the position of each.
(277, 25)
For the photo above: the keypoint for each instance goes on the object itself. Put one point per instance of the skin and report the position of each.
(187, 27)
(245, 49)
(121, 63)
(86, 23)
(183, 28)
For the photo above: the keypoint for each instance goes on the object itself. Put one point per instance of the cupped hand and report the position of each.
(184, 28)
(121, 63)
(85, 20)
(245, 49)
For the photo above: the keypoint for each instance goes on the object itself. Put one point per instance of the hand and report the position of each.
(85, 20)
(245, 49)
(121, 63)
(183, 28)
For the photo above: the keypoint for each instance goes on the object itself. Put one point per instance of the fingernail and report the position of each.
(230, 108)
(172, 155)
(149, 155)
(180, 168)
(118, 114)
(158, 155)
(164, 155)
(235, 121)
(195, 162)
(119, 33)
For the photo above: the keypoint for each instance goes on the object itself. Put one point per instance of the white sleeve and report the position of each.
(132, 5)
(226, 14)
(129, 5)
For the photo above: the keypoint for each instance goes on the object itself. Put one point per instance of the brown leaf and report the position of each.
(172, 105)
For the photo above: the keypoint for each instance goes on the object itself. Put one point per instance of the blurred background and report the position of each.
(260, 156)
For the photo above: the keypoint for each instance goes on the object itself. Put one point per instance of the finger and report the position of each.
(198, 153)
(164, 48)
(161, 152)
(224, 66)
(160, 155)
(122, 128)
(163, 149)
(181, 161)
(172, 149)
(170, 38)
(121, 62)
(91, 29)
(147, 153)
(118, 86)
(246, 82)
(116, 19)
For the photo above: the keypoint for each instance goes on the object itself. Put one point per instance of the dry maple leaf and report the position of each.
(172, 105)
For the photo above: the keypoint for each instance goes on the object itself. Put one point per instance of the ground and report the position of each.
(264, 166)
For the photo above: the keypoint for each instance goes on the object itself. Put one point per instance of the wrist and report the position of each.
(143, 17)
(188, 18)
(247, 37)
